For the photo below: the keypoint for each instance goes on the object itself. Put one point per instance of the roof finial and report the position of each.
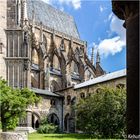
(97, 57)
(92, 56)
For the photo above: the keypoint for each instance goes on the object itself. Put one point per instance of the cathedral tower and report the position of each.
(18, 51)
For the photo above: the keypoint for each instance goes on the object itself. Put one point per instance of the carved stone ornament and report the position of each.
(125, 9)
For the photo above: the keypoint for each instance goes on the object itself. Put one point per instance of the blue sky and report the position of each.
(100, 28)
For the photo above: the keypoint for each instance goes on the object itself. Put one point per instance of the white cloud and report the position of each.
(76, 4)
(101, 8)
(115, 44)
(110, 46)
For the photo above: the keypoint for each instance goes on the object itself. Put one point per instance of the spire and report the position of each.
(25, 9)
(18, 12)
(92, 56)
(24, 17)
(98, 57)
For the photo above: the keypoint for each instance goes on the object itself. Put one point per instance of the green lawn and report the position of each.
(36, 136)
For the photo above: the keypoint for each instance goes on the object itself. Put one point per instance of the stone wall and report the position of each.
(3, 26)
(13, 136)
(44, 108)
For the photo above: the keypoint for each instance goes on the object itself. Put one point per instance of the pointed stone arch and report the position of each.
(55, 86)
(67, 122)
(35, 57)
(74, 67)
(35, 120)
(54, 119)
(56, 62)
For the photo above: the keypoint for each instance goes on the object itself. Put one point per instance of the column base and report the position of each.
(25, 129)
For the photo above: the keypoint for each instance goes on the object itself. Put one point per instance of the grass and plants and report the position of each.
(37, 136)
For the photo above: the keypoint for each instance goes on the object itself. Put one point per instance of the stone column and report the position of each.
(129, 11)
(29, 119)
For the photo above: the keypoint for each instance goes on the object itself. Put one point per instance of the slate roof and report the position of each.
(52, 17)
(103, 78)
(44, 92)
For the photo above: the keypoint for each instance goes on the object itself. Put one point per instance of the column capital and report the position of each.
(125, 10)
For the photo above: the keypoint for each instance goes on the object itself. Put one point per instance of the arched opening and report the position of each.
(53, 102)
(67, 122)
(68, 100)
(74, 67)
(35, 120)
(120, 86)
(53, 118)
(87, 74)
(35, 59)
(35, 79)
(82, 95)
(54, 86)
(98, 90)
(62, 45)
(73, 100)
(56, 63)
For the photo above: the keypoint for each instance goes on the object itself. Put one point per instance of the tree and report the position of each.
(103, 113)
(13, 104)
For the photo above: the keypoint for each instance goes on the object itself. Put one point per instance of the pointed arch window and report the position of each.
(62, 45)
(52, 102)
(87, 74)
(56, 63)
(68, 100)
(74, 67)
(82, 95)
(35, 58)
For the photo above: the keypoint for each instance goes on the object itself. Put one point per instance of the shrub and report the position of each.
(103, 114)
(46, 127)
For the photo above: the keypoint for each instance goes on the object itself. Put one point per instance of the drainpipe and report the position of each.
(62, 114)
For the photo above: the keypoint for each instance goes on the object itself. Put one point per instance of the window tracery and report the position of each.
(82, 95)
(68, 100)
